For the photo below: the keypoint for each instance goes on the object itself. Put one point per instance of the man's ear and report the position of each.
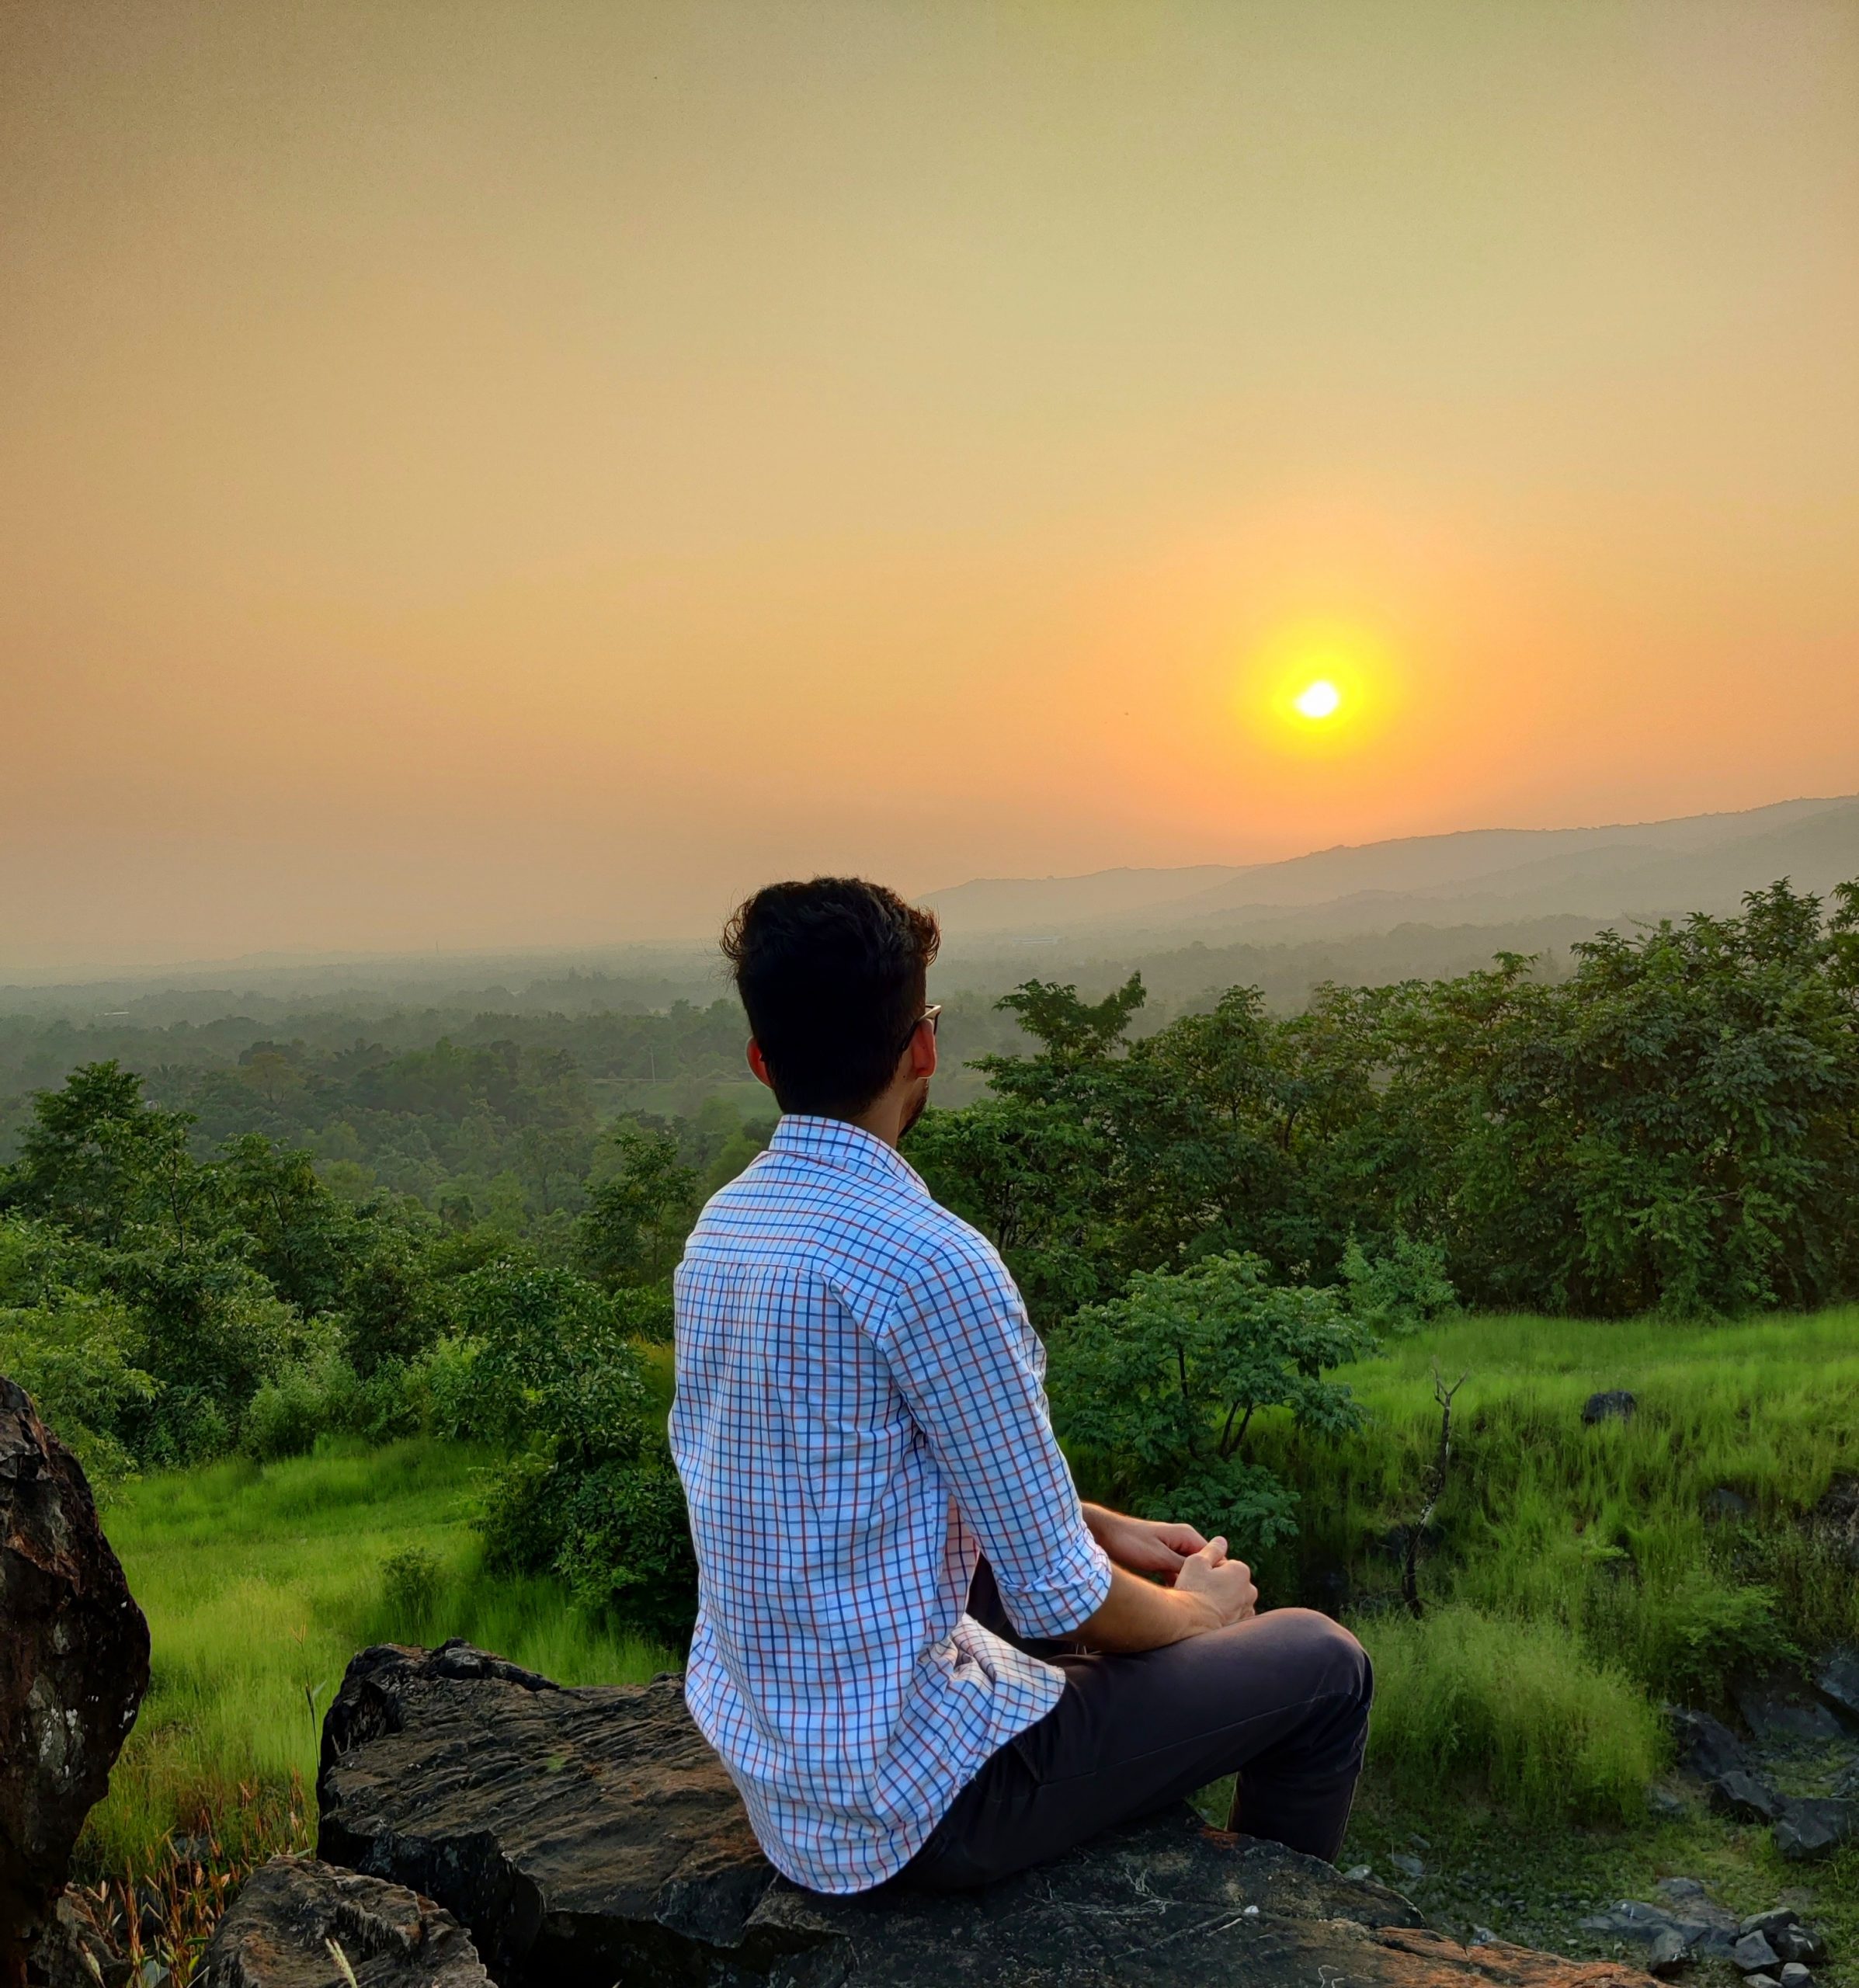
(758, 1063)
(922, 1053)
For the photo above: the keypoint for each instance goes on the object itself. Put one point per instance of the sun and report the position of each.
(1319, 689)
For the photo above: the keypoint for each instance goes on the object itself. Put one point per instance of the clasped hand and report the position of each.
(1178, 1553)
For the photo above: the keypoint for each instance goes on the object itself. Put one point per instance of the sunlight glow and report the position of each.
(1319, 689)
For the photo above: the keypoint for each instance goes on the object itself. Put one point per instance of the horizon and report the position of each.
(697, 944)
(513, 483)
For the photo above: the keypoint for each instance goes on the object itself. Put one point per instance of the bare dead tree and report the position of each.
(1432, 1484)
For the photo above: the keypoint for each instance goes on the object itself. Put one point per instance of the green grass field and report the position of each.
(1580, 1580)
(259, 1583)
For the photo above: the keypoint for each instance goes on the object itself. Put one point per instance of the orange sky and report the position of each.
(479, 475)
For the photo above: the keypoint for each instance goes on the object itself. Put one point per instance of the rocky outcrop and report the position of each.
(298, 1924)
(589, 1836)
(74, 1664)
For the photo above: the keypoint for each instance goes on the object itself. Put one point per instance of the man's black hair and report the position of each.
(832, 975)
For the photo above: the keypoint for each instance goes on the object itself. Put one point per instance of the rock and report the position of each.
(1747, 1797)
(1760, 1981)
(589, 1836)
(1782, 1711)
(1753, 1955)
(1725, 1506)
(1837, 1681)
(1705, 1746)
(73, 1939)
(1615, 1405)
(1356, 1873)
(1410, 1867)
(1668, 1952)
(1794, 1976)
(1666, 1803)
(1802, 1943)
(1833, 1524)
(1814, 1826)
(1767, 1923)
(289, 1913)
(1482, 1936)
(1690, 1902)
(74, 1664)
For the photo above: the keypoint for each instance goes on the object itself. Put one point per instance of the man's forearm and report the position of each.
(1137, 1615)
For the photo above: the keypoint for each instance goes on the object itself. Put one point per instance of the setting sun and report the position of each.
(1320, 699)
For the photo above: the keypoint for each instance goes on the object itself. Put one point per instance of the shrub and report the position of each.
(316, 1392)
(1403, 1287)
(1170, 1379)
(410, 1582)
(70, 1356)
(1516, 1709)
(627, 1552)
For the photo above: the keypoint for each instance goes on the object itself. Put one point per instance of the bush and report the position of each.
(70, 1357)
(315, 1394)
(1402, 1288)
(410, 1580)
(1517, 1709)
(627, 1552)
(1169, 1380)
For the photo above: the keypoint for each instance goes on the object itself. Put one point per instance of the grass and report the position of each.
(259, 1582)
(1608, 1532)
(1578, 1579)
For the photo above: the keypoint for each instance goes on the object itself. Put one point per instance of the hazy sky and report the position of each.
(523, 472)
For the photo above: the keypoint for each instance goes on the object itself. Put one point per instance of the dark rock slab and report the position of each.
(74, 1664)
(75, 1949)
(589, 1837)
(1815, 1826)
(1837, 1681)
(1703, 1930)
(294, 1916)
(1834, 1522)
(1613, 1404)
(1783, 1711)
(1706, 1747)
(1747, 1796)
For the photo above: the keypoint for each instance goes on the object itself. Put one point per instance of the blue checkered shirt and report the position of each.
(861, 1414)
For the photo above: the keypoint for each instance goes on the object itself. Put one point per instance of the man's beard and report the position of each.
(916, 1110)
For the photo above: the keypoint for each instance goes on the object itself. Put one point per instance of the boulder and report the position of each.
(74, 1664)
(294, 1916)
(1783, 1712)
(76, 1948)
(589, 1836)
(1747, 1796)
(1837, 1681)
(1814, 1826)
(1705, 1746)
(1834, 1522)
(1613, 1405)
(1753, 1954)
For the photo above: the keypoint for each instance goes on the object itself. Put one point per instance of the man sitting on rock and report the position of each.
(920, 1657)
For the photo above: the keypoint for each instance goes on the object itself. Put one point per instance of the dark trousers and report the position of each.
(1282, 1700)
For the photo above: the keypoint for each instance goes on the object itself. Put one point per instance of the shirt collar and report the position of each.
(839, 1143)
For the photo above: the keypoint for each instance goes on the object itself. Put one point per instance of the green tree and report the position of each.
(639, 1206)
(1165, 1384)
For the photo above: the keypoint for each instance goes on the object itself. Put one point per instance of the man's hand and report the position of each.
(1223, 1587)
(1211, 1592)
(1143, 1546)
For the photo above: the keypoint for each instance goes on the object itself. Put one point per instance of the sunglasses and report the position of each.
(933, 1015)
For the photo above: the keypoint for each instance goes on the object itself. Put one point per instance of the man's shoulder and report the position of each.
(882, 1228)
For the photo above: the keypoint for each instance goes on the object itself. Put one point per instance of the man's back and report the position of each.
(855, 1374)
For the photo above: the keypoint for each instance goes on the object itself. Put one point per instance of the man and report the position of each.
(861, 1419)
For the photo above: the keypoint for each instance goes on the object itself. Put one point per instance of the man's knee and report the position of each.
(1325, 1654)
